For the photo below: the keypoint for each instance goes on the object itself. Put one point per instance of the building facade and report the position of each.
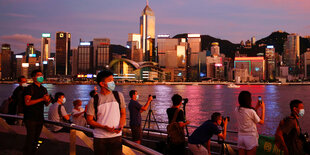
(63, 44)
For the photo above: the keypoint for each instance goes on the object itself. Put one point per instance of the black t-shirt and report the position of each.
(204, 132)
(35, 112)
(170, 113)
(18, 99)
(135, 115)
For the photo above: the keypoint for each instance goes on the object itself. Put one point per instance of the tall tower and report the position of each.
(6, 62)
(292, 53)
(63, 41)
(147, 31)
(45, 46)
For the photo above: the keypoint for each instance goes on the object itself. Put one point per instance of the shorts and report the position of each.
(247, 142)
(136, 132)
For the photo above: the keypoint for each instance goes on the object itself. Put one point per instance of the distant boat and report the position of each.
(231, 85)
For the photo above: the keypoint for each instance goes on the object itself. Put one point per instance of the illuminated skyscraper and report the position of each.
(63, 43)
(215, 49)
(291, 56)
(271, 63)
(134, 44)
(85, 58)
(30, 52)
(147, 31)
(45, 46)
(101, 53)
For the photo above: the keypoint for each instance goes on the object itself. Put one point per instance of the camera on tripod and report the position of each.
(154, 96)
(223, 119)
(184, 101)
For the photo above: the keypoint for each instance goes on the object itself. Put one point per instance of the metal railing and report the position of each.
(76, 130)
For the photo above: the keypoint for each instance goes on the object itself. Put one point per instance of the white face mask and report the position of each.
(301, 112)
(137, 97)
(24, 84)
(64, 100)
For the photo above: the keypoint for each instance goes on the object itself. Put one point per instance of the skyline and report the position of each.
(227, 19)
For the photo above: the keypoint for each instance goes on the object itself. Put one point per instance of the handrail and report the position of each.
(126, 142)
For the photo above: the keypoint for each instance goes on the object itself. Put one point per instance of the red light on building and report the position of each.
(104, 43)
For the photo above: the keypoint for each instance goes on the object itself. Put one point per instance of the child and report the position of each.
(78, 113)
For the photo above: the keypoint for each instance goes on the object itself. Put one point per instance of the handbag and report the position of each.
(175, 131)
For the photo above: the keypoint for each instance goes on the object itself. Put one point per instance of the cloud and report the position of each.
(19, 42)
(19, 15)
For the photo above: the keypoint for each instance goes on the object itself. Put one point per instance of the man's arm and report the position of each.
(144, 108)
(223, 135)
(279, 140)
(122, 121)
(29, 101)
(90, 121)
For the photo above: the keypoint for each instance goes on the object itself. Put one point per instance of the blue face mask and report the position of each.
(301, 112)
(111, 85)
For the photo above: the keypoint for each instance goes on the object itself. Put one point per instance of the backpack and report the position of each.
(60, 115)
(96, 100)
(175, 131)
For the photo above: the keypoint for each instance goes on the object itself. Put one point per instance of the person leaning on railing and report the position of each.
(202, 135)
(247, 119)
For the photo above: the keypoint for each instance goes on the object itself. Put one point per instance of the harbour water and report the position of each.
(203, 100)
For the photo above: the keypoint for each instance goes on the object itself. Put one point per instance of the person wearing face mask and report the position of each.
(58, 113)
(287, 137)
(36, 97)
(199, 141)
(135, 110)
(78, 113)
(106, 112)
(16, 107)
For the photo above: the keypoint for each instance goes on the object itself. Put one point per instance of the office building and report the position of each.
(63, 44)
(134, 45)
(291, 55)
(307, 64)
(254, 65)
(270, 62)
(147, 31)
(45, 46)
(30, 52)
(85, 58)
(215, 49)
(101, 54)
(6, 62)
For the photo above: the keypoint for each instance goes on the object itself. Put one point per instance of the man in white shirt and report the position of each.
(106, 113)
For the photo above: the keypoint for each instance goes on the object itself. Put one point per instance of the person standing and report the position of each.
(202, 135)
(36, 97)
(106, 112)
(289, 132)
(135, 110)
(58, 113)
(172, 112)
(17, 105)
(247, 119)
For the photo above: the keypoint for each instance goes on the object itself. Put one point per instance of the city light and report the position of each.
(249, 58)
(46, 35)
(85, 43)
(218, 65)
(44, 62)
(163, 36)
(19, 56)
(25, 64)
(32, 55)
(270, 46)
(37, 64)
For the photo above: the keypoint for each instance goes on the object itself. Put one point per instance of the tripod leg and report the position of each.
(155, 121)
(146, 120)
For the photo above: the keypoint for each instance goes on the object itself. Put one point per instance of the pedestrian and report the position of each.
(288, 134)
(17, 104)
(78, 114)
(36, 97)
(58, 113)
(106, 112)
(176, 114)
(200, 140)
(135, 110)
(247, 119)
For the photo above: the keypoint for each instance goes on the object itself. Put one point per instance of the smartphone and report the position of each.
(260, 99)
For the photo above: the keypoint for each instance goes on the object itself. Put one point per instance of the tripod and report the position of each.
(184, 105)
(148, 118)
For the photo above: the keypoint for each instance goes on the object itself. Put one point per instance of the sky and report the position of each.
(23, 21)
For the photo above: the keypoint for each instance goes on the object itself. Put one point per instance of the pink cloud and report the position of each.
(19, 42)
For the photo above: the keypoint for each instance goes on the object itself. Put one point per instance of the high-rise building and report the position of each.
(45, 46)
(291, 56)
(6, 62)
(74, 52)
(307, 64)
(147, 31)
(63, 44)
(167, 51)
(254, 65)
(253, 40)
(215, 49)
(85, 58)
(271, 62)
(101, 53)
(19, 60)
(30, 52)
(134, 45)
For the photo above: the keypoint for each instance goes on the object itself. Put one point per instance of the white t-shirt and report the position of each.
(53, 115)
(78, 120)
(247, 120)
(108, 113)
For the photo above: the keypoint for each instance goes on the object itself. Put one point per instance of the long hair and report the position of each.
(245, 99)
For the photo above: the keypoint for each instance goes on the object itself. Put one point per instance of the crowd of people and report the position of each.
(106, 114)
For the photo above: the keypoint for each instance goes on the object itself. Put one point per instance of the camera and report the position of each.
(223, 119)
(154, 96)
(184, 101)
(260, 99)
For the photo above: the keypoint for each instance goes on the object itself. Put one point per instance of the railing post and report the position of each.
(72, 142)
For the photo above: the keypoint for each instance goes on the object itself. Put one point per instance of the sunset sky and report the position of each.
(235, 20)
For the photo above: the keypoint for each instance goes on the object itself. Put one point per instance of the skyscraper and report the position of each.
(147, 31)
(85, 58)
(271, 63)
(63, 44)
(134, 44)
(45, 46)
(30, 52)
(101, 53)
(6, 62)
(215, 49)
(291, 56)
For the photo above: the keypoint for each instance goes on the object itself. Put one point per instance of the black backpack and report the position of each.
(60, 115)
(96, 100)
